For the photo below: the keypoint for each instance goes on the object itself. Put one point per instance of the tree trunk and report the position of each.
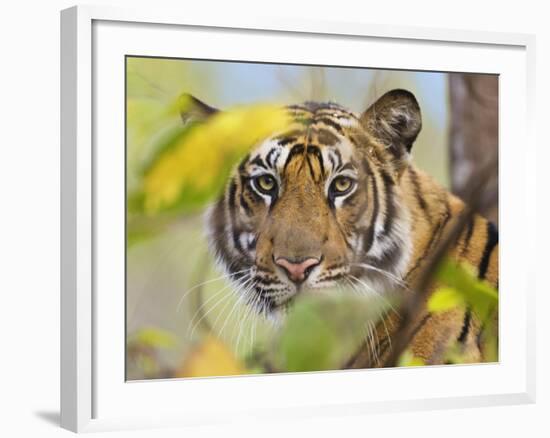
(474, 135)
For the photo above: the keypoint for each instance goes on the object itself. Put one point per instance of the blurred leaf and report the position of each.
(197, 163)
(445, 298)
(463, 289)
(477, 294)
(155, 338)
(210, 358)
(321, 333)
(308, 343)
(407, 359)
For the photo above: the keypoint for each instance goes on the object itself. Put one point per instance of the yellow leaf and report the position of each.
(211, 358)
(445, 298)
(407, 359)
(199, 162)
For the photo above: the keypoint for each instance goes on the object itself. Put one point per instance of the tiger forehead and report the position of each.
(328, 146)
(329, 114)
(321, 107)
(325, 129)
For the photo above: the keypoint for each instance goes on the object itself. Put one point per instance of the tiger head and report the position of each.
(319, 206)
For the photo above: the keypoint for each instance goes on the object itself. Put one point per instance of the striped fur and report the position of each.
(379, 232)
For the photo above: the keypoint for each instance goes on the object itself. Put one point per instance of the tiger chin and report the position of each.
(336, 200)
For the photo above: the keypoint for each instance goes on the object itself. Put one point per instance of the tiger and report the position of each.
(337, 196)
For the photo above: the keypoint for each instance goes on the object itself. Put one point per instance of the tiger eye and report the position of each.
(265, 183)
(342, 184)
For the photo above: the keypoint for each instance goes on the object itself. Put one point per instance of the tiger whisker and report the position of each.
(244, 316)
(369, 339)
(235, 306)
(224, 298)
(374, 292)
(368, 328)
(241, 290)
(374, 342)
(261, 308)
(227, 276)
(251, 315)
(254, 315)
(221, 312)
(382, 315)
(389, 275)
(216, 294)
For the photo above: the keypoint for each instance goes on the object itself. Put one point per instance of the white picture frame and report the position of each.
(93, 396)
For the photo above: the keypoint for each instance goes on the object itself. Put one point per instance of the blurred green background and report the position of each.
(167, 252)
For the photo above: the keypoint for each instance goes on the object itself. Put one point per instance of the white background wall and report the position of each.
(29, 216)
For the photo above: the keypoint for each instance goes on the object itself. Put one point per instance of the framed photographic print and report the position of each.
(256, 209)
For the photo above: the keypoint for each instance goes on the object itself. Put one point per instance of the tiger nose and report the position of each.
(297, 271)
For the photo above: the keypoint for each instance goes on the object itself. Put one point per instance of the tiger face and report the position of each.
(319, 206)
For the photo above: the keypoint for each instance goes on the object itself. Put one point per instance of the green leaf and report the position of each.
(321, 333)
(477, 294)
(445, 298)
(308, 342)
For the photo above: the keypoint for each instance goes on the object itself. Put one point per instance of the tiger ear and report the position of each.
(395, 120)
(193, 109)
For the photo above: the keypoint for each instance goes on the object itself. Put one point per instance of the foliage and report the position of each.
(210, 358)
(186, 165)
(152, 86)
(407, 359)
(461, 289)
(322, 333)
(143, 348)
(193, 162)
